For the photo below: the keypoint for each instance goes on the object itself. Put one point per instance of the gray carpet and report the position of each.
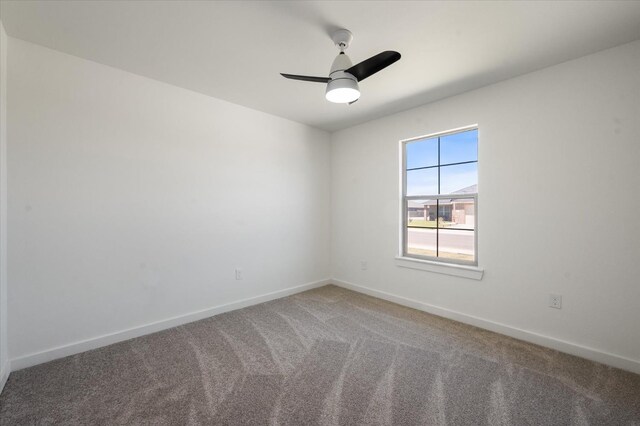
(327, 356)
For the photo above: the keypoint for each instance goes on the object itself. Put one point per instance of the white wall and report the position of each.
(559, 155)
(133, 201)
(4, 357)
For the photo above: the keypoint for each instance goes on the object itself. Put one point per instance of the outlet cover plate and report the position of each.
(555, 301)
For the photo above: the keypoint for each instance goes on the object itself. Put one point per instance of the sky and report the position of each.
(455, 148)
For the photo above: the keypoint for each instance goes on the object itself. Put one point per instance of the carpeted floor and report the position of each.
(327, 356)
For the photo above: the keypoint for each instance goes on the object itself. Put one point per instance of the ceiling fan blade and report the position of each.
(306, 78)
(374, 64)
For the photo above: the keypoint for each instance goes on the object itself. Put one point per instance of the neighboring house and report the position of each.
(458, 212)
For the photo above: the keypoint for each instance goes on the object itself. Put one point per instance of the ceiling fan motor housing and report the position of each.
(340, 63)
(343, 87)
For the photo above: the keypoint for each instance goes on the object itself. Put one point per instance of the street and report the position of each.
(452, 241)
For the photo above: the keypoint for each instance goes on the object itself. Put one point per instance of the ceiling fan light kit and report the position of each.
(343, 90)
(342, 83)
(343, 87)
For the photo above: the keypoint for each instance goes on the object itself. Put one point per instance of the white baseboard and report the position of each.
(4, 374)
(119, 336)
(528, 336)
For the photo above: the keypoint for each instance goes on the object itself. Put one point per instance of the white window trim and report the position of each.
(449, 267)
(464, 271)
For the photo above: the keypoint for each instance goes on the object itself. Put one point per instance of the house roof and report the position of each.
(467, 190)
(472, 189)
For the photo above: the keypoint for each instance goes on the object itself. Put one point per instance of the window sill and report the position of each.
(471, 272)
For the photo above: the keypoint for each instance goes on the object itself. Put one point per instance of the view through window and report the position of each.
(440, 176)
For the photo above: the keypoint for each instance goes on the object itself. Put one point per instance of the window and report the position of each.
(440, 197)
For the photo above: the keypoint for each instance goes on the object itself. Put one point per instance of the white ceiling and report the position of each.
(236, 50)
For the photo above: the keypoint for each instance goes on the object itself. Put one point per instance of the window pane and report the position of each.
(454, 244)
(444, 213)
(463, 213)
(460, 179)
(421, 242)
(422, 153)
(421, 213)
(459, 147)
(422, 182)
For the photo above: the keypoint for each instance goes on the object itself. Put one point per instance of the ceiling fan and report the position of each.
(342, 83)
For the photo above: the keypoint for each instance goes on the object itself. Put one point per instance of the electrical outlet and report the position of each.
(364, 265)
(238, 274)
(555, 301)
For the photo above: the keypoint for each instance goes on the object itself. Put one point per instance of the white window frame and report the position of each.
(404, 254)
